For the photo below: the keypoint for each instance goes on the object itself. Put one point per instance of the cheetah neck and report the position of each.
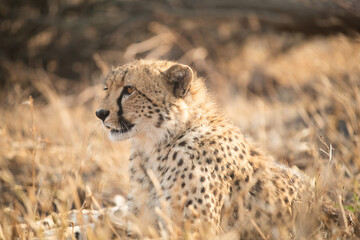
(152, 139)
(195, 110)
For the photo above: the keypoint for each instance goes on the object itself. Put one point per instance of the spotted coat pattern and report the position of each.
(189, 161)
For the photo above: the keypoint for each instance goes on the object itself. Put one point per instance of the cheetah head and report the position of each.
(145, 99)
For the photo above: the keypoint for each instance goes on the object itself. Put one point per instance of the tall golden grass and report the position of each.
(301, 104)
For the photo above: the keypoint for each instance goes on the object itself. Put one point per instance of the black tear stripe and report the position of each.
(119, 100)
(122, 121)
(124, 124)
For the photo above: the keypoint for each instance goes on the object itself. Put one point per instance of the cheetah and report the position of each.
(189, 162)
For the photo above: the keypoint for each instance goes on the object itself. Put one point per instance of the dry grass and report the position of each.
(296, 96)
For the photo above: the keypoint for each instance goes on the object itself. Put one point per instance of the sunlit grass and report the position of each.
(55, 155)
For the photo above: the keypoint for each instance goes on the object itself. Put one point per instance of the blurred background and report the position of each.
(287, 72)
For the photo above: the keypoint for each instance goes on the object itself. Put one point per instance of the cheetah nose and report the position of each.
(102, 114)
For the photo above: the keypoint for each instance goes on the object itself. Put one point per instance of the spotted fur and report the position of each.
(206, 169)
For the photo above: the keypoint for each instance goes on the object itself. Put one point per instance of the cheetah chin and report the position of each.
(121, 134)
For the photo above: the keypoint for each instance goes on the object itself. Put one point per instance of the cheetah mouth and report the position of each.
(124, 129)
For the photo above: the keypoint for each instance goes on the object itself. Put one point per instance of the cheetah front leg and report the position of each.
(138, 199)
(193, 202)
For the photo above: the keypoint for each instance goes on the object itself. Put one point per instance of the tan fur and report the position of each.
(204, 166)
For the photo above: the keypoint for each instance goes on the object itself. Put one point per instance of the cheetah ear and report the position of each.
(179, 77)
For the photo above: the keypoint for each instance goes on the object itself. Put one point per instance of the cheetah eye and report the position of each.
(106, 88)
(128, 90)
